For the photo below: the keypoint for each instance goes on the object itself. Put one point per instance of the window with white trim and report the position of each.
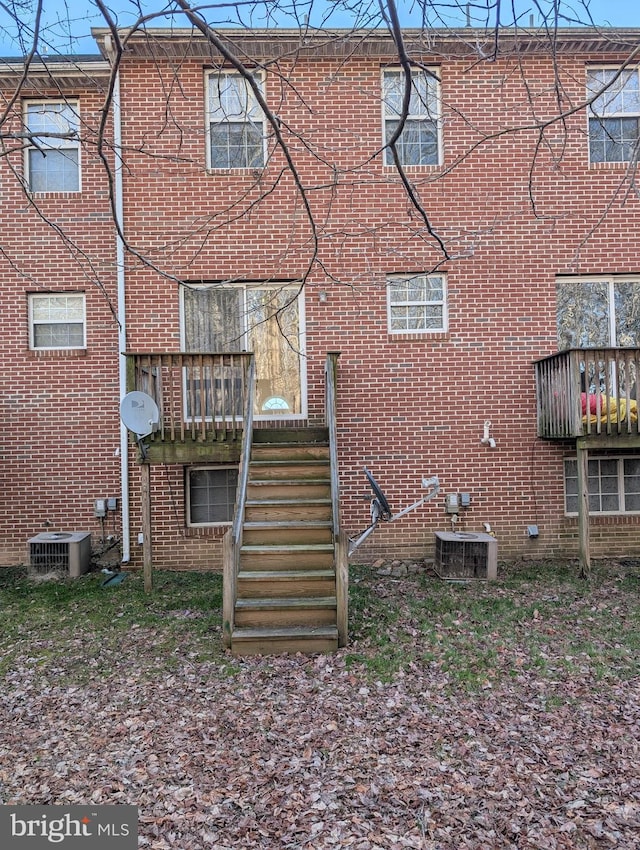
(57, 320)
(235, 122)
(267, 319)
(52, 157)
(417, 304)
(598, 311)
(614, 485)
(614, 115)
(418, 143)
(211, 494)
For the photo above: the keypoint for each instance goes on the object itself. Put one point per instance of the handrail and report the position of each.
(233, 537)
(339, 536)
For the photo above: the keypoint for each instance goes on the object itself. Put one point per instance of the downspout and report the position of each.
(122, 310)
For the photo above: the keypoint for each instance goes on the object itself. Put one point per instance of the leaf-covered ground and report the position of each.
(483, 716)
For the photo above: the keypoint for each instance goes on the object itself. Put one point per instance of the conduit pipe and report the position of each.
(122, 307)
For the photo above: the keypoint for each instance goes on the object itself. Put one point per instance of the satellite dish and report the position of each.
(139, 413)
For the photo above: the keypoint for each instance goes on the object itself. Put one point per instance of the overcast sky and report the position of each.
(67, 23)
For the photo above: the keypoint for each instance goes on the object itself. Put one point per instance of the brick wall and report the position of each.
(59, 409)
(515, 210)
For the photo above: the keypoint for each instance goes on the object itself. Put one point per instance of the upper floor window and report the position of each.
(53, 154)
(595, 312)
(418, 143)
(235, 122)
(57, 321)
(613, 115)
(417, 304)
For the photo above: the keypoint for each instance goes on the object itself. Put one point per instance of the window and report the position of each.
(595, 312)
(614, 485)
(613, 115)
(57, 321)
(418, 142)
(416, 304)
(53, 155)
(264, 319)
(235, 122)
(211, 495)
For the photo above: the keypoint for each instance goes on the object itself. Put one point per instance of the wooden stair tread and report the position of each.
(292, 444)
(262, 575)
(262, 482)
(289, 523)
(253, 503)
(285, 632)
(281, 548)
(288, 602)
(296, 461)
(306, 434)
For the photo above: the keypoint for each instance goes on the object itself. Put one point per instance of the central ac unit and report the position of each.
(461, 556)
(65, 552)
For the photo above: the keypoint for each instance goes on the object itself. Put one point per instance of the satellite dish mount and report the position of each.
(380, 510)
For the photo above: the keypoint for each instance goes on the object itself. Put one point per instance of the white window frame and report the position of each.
(53, 320)
(207, 468)
(252, 115)
(54, 143)
(610, 281)
(421, 303)
(620, 490)
(612, 104)
(418, 111)
(243, 345)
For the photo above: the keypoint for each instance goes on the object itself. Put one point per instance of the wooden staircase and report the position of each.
(286, 581)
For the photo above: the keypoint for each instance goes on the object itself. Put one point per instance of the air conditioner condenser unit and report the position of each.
(462, 556)
(65, 552)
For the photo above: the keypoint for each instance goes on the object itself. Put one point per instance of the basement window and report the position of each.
(614, 485)
(211, 495)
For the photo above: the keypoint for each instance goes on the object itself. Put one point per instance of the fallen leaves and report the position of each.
(313, 752)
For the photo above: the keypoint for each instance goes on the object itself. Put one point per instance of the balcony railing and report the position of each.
(200, 397)
(588, 392)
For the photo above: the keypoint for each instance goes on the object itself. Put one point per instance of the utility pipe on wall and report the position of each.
(122, 308)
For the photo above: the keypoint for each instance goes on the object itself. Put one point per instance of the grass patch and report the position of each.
(538, 619)
(77, 629)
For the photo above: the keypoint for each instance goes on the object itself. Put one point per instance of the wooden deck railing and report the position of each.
(232, 541)
(200, 397)
(588, 392)
(340, 541)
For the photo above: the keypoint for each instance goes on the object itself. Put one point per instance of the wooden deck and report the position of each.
(589, 394)
(201, 399)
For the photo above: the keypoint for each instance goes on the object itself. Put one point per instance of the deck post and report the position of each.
(145, 501)
(342, 588)
(583, 510)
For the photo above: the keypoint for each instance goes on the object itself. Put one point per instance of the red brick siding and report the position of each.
(409, 405)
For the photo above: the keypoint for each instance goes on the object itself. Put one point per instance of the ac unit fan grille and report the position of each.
(461, 557)
(66, 553)
(49, 558)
